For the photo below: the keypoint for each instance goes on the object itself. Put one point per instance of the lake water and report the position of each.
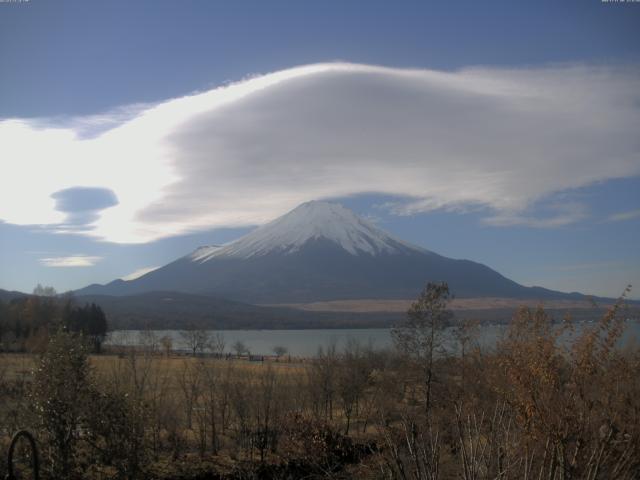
(305, 343)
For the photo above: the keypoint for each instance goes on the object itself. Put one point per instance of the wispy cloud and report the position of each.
(622, 216)
(564, 214)
(70, 261)
(497, 139)
(140, 272)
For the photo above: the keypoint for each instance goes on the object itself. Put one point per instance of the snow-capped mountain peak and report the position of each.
(310, 221)
(204, 252)
(319, 252)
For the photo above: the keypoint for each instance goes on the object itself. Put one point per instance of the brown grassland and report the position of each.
(462, 304)
(533, 407)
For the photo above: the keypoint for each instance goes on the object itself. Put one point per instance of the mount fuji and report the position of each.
(320, 251)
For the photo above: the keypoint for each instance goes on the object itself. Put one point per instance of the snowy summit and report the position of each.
(319, 252)
(310, 221)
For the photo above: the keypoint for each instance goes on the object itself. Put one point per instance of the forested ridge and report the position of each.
(27, 322)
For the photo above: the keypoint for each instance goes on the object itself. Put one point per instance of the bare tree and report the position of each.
(197, 340)
(167, 344)
(322, 381)
(240, 348)
(148, 340)
(217, 344)
(420, 336)
(189, 380)
(159, 402)
(465, 334)
(210, 401)
(279, 350)
(242, 402)
(267, 411)
(353, 371)
(411, 452)
(227, 378)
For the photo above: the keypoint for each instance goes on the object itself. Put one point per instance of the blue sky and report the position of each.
(503, 132)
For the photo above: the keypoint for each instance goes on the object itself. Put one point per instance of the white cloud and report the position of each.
(71, 261)
(563, 214)
(139, 272)
(242, 154)
(622, 216)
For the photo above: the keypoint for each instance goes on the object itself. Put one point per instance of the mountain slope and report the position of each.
(311, 221)
(320, 251)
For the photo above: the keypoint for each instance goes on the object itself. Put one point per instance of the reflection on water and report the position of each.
(305, 343)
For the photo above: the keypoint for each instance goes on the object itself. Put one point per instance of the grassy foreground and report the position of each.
(534, 407)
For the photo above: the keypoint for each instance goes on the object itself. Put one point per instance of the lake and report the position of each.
(305, 343)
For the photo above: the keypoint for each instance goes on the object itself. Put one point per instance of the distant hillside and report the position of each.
(7, 296)
(176, 310)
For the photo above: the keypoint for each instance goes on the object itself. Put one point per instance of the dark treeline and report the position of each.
(27, 322)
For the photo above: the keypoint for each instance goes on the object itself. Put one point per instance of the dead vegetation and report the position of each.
(535, 407)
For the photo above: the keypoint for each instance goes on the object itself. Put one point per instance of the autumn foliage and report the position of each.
(552, 400)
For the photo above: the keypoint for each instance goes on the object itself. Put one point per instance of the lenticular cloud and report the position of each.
(245, 153)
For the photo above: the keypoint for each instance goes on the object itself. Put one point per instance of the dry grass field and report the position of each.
(534, 406)
(401, 306)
